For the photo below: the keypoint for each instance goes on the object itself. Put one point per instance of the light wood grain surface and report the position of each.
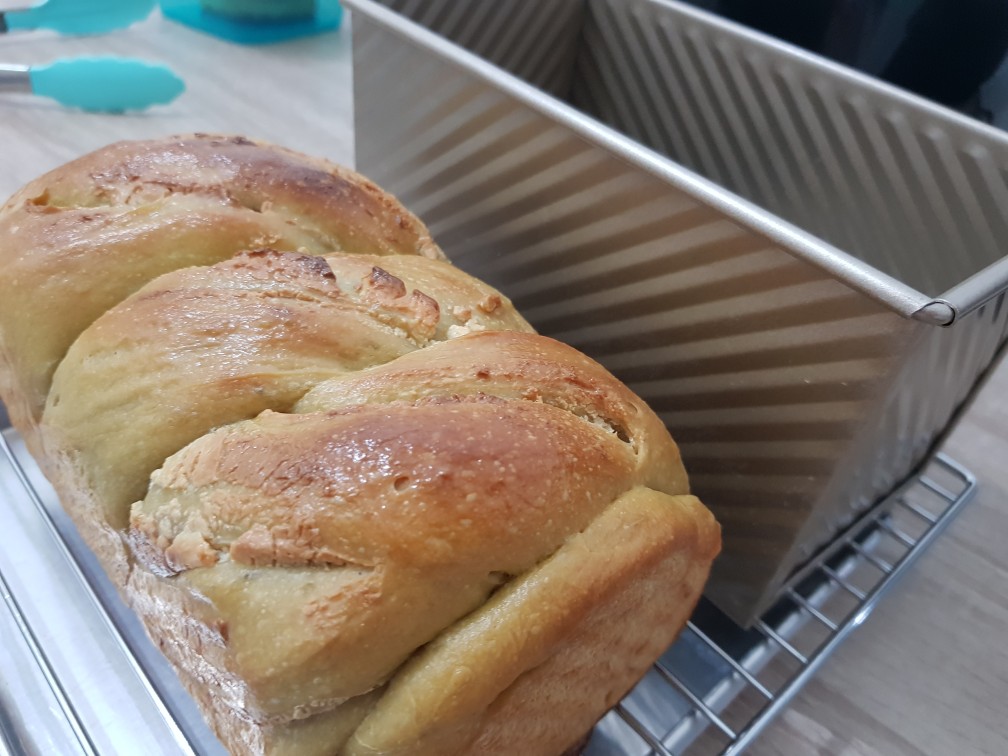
(928, 673)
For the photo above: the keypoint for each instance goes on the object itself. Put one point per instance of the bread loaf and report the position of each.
(362, 507)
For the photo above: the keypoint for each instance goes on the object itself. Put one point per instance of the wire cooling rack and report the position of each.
(712, 692)
(719, 686)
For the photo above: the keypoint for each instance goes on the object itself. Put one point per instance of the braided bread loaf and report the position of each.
(362, 507)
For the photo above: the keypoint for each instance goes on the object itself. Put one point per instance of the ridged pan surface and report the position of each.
(906, 186)
(796, 399)
(536, 41)
(935, 381)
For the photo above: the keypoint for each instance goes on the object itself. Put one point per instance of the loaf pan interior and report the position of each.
(910, 188)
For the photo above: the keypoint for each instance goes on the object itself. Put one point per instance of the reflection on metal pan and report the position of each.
(759, 241)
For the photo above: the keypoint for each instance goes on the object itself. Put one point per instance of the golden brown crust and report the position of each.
(432, 482)
(397, 494)
(421, 482)
(80, 239)
(212, 345)
(515, 365)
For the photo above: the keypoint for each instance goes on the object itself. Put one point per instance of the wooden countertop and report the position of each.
(927, 673)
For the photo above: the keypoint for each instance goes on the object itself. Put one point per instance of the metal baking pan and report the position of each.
(78, 673)
(799, 267)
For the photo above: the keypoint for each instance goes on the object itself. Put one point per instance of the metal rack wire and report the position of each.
(712, 692)
(720, 686)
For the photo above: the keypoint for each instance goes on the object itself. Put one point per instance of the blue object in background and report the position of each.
(78, 16)
(328, 16)
(106, 84)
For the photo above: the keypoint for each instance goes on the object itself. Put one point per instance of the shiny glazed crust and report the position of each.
(357, 502)
(80, 239)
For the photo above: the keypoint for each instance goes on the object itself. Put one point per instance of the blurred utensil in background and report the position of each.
(105, 84)
(75, 16)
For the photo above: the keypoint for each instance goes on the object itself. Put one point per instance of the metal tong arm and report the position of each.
(14, 78)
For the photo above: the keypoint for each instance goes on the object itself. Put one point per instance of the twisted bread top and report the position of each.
(80, 239)
(201, 347)
(403, 497)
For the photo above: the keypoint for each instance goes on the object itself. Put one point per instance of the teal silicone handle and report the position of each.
(106, 84)
(81, 16)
